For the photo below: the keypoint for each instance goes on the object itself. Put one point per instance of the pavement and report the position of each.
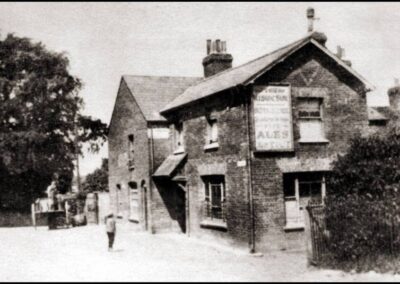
(81, 254)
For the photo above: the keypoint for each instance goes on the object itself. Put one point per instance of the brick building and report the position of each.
(234, 157)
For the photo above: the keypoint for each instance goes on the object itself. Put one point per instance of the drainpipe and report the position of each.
(252, 244)
(151, 171)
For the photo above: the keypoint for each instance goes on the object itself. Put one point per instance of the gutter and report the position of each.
(151, 170)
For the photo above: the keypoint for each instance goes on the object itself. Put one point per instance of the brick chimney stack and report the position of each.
(217, 59)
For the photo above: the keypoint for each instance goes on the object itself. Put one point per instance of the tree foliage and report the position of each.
(98, 180)
(40, 120)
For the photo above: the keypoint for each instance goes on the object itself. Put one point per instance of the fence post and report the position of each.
(308, 236)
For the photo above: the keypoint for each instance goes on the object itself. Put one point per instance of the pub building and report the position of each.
(233, 158)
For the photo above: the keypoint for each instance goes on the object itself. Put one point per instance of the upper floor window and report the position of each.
(131, 140)
(178, 138)
(311, 123)
(212, 134)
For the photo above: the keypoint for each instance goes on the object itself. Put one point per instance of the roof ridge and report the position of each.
(255, 59)
(159, 76)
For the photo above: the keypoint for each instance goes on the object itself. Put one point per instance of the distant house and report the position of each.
(139, 141)
(234, 157)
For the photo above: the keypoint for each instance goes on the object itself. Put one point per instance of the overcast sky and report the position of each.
(107, 40)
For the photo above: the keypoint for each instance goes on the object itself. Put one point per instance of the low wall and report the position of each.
(18, 219)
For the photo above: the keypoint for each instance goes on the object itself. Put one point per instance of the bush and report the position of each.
(363, 202)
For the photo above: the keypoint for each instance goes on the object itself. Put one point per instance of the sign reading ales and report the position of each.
(273, 119)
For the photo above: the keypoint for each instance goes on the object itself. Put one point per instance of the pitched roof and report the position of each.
(248, 72)
(377, 113)
(152, 93)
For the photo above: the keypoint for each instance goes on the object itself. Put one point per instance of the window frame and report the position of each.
(214, 213)
(212, 129)
(303, 119)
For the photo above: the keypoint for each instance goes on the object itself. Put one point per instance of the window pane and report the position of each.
(288, 185)
(309, 107)
(214, 132)
(304, 189)
(311, 130)
(207, 193)
(216, 195)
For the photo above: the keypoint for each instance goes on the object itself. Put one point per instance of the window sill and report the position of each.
(214, 224)
(179, 151)
(211, 146)
(320, 141)
(294, 227)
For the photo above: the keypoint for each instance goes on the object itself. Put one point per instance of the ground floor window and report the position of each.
(214, 202)
(299, 190)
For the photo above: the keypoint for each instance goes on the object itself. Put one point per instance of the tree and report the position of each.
(98, 180)
(41, 125)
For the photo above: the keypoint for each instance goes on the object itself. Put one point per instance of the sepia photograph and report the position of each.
(200, 141)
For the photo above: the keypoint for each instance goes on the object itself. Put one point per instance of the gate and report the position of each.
(316, 234)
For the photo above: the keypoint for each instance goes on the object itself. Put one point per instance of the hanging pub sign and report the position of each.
(273, 119)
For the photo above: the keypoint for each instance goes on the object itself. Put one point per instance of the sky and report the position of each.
(106, 40)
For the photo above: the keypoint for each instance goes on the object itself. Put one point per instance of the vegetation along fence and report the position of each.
(350, 232)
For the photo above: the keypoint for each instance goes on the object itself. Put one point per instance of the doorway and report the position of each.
(180, 206)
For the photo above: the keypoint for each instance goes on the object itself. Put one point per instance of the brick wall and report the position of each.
(230, 111)
(309, 72)
(345, 114)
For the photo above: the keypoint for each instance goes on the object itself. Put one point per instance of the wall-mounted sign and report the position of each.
(273, 119)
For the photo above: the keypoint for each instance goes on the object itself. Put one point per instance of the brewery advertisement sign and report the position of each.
(273, 126)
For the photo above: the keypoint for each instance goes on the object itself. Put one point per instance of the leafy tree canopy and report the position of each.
(98, 180)
(40, 119)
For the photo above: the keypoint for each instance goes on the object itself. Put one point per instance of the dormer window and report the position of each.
(178, 138)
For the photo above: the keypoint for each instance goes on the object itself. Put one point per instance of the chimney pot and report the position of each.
(339, 52)
(208, 46)
(218, 44)
(310, 13)
(213, 47)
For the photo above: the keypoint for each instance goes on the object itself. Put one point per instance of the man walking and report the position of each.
(111, 229)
